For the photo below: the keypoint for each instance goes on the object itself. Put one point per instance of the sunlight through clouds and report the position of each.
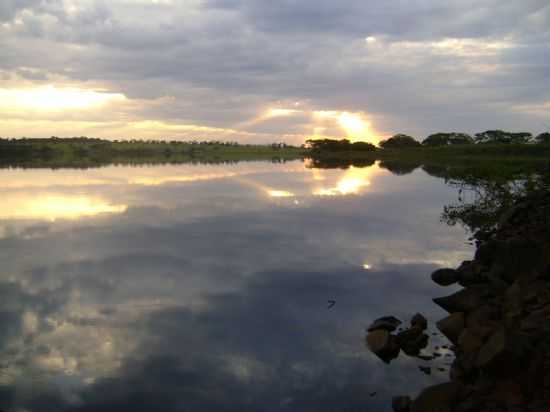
(51, 98)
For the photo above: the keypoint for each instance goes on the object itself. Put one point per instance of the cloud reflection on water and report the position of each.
(209, 295)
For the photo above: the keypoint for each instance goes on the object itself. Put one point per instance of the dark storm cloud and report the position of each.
(414, 19)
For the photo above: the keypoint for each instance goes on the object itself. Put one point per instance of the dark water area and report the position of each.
(206, 288)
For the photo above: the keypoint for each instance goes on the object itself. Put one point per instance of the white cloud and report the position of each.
(413, 66)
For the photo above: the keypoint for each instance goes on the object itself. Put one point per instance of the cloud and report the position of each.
(207, 292)
(427, 65)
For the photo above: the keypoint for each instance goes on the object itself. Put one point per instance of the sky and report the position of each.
(265, 70)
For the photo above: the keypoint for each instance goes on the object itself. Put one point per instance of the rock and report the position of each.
(419, 321)
(438, 398)
(383, 345)
(425, 369)
(462, 301)
(401, 404)
(468, 405)
(469, 342)
(445, 277)
(412, 341)
(463, 367)
(452, 326)
(389, 323)
(378, 340)
(487, 251)
(469, 273)
(483, 321)
(512, 256)
(503, 353)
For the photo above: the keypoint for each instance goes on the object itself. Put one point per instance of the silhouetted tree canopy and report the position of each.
(398, 167)
(543, 138)
(344, 145)
(445, 139)
(500, 136)
(399, 141)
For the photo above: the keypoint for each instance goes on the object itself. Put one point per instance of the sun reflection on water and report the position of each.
(279, 193)
(56, 206)
(352, 183)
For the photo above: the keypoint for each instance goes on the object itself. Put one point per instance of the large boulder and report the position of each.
(452, 326)
(419, 321)
(401, 404)
(503, 353)
(469, 341)
(383, 344)
(412, 340)
(389, 323)
(445, 277)
(518, 259)
(438, 398)
(470, 273)
(462, 301)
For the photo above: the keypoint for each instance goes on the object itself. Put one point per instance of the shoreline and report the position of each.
(498, 324)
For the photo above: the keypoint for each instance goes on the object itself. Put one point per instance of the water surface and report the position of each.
(202, 288)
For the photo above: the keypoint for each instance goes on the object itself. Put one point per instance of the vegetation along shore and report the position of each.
(90, 152)
(498, 323)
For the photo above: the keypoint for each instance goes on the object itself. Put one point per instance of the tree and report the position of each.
(363, 147)
(543, 138)
(329, 145)
(399, 141)
(446, 139)
(500, 136)
(344, 145)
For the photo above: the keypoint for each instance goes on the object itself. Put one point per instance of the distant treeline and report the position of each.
(448, 139)
(399, 141)
(91, 152)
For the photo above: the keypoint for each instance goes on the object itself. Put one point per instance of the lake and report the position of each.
(207, 287)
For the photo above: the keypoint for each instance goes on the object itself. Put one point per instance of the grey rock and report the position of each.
(419, 321)
(469, 342)
(389, 323)
(383, 344)
(487, 251)
(470, 273)
(401, 404)
(438, 398)
(462, 301)
(452, 326)
(503, 353)
(412, 340)
(445, 277)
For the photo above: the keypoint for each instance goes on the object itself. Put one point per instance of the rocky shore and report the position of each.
(498, 323)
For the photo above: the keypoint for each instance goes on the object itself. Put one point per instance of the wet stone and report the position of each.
(419, 321)
(389, 323)
(445, 277)
(452, 326)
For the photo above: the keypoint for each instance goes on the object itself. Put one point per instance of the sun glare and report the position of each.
(52, 207)
(281, 113)
(279, 193)
(51, 98)
(353, 124)
(352, 183)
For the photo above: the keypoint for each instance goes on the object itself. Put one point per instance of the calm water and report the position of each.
(205, 288)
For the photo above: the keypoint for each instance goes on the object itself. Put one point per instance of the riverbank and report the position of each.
(454, 153)
(499, 323)
(86, 153)
(89, 152)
